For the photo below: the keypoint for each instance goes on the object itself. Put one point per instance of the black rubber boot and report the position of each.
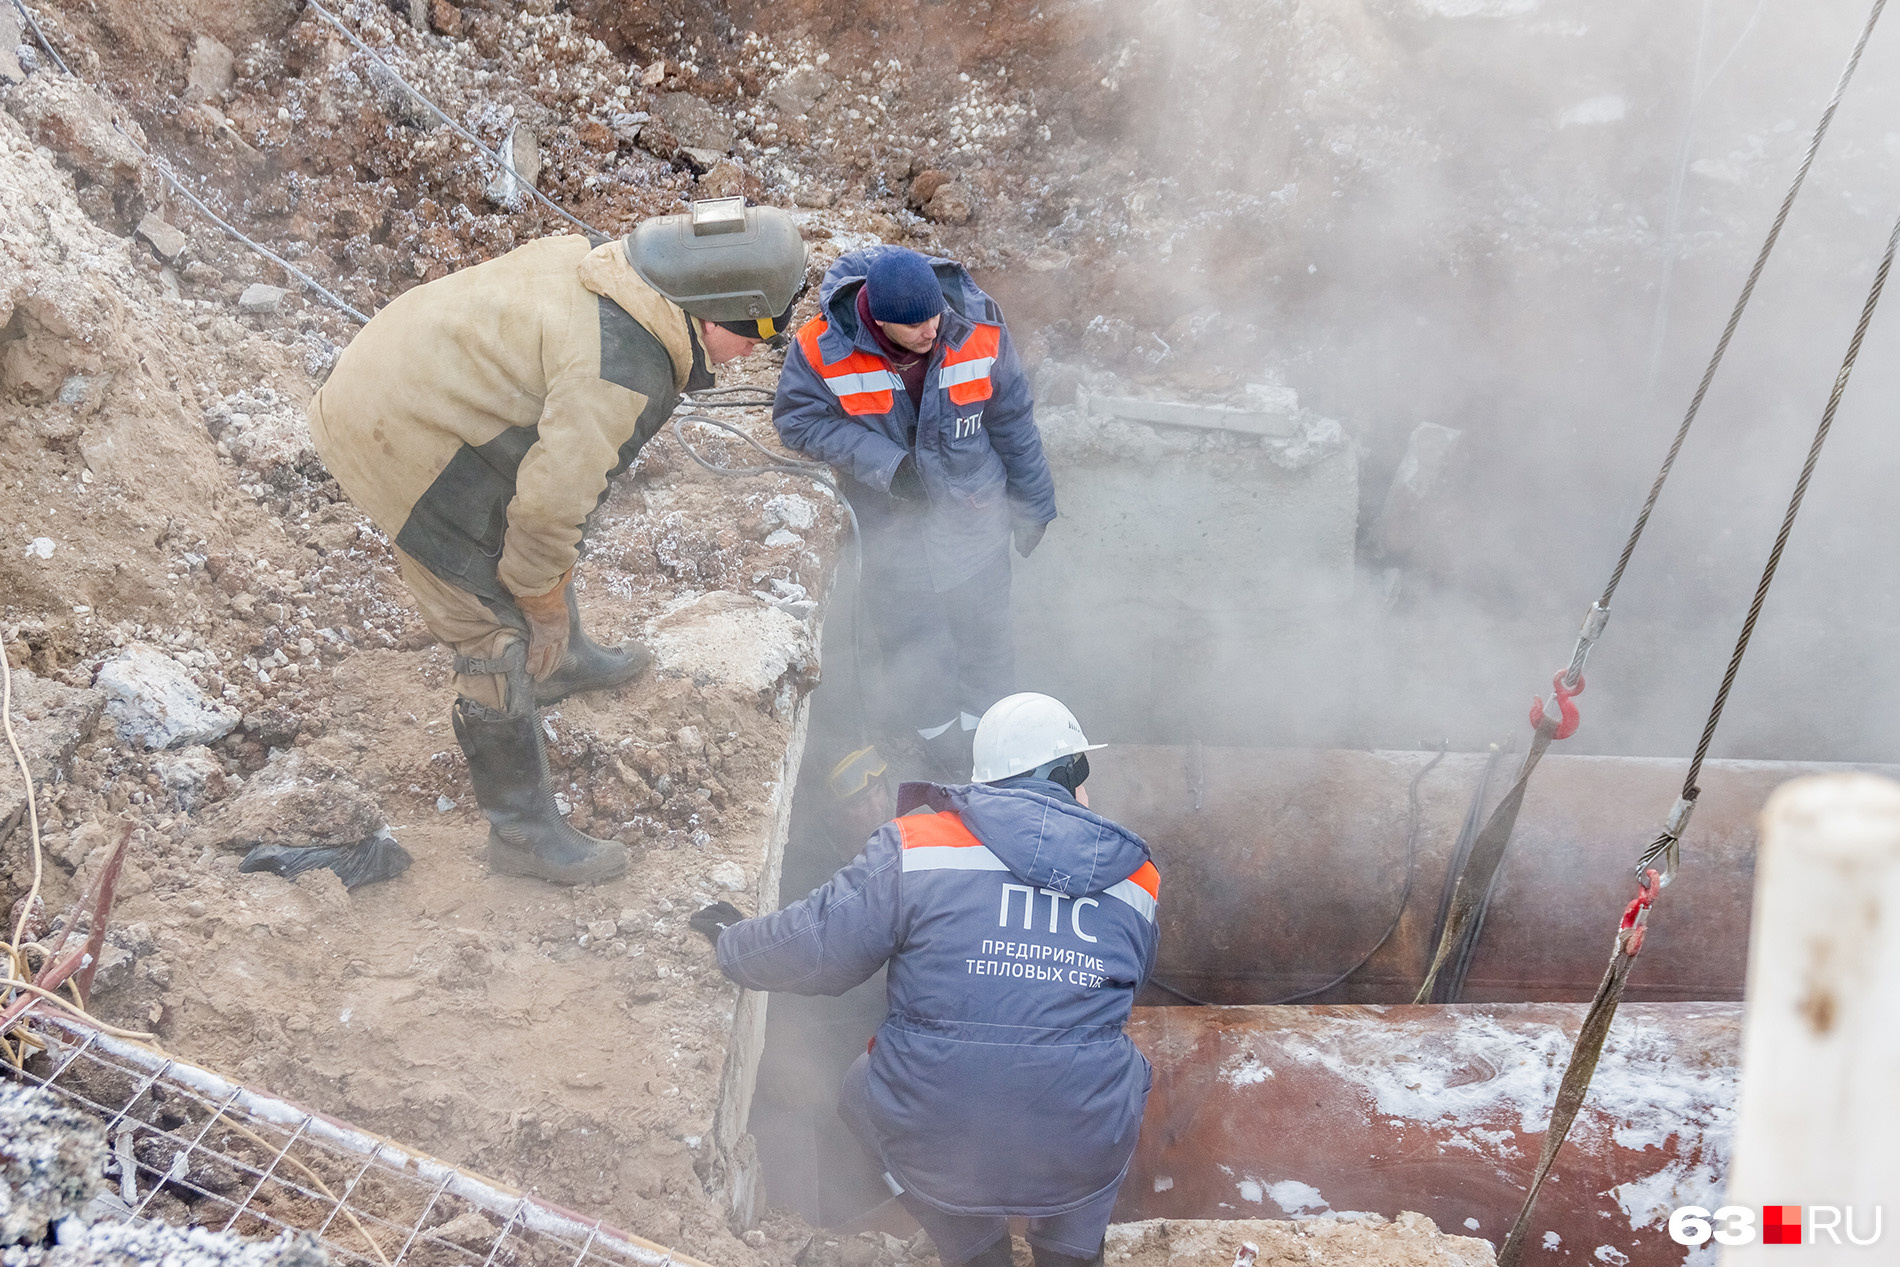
(588, 666)
(508, 764)
(999, 1254)
(1050, 1258)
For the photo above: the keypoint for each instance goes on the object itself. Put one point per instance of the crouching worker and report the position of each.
(478, 419)
(1018, 927)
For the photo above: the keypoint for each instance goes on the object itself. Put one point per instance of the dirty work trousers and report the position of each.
(1075, 1233)
(468, 625)
(943, 658)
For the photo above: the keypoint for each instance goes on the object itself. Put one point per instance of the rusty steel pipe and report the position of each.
(1295, 861)
(1271, 1112)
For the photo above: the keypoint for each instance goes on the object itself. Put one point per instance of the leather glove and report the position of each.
(1028, 534)
(715, 919)
(547, 627)
(906, 484)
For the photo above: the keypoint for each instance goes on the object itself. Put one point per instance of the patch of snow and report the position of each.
(1297, 1198)
(1245, 1072)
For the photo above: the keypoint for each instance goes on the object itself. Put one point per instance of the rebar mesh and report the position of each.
(193, 1148)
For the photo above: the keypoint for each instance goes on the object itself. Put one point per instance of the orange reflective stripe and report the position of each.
(1147, 879)
(966, 370)
(863, 383)
(936, 831)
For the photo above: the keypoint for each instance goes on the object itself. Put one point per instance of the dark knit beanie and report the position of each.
(903, 288)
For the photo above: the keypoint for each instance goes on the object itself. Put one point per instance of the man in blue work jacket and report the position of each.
(1018, 927)
(908, 384)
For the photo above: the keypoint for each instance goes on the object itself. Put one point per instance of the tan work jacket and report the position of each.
(478, 418)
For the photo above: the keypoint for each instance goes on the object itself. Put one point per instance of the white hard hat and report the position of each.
(1021, 732)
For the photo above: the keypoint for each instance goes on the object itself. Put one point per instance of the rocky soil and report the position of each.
(1411, 1240)
(209, 643)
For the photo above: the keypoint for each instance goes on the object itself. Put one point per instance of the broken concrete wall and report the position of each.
(737, 1155)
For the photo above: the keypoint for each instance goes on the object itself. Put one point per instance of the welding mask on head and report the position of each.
(736, 266)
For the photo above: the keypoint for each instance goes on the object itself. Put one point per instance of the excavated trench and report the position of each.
(1282, 869)
(1304, 888)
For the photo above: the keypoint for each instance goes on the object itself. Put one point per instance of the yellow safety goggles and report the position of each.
(854, 773)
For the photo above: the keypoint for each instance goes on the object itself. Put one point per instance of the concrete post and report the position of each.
(1819, 1122)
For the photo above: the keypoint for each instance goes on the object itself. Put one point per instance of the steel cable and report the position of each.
(164, 170)
(1596, 1022)
(1488, 852)
(494, 156)
(1741, 306)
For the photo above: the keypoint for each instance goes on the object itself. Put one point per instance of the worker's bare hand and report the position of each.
(547, 628)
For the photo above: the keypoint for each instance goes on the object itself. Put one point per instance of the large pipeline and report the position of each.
(1295, 861)
(1261, 1112)
(1285, 875)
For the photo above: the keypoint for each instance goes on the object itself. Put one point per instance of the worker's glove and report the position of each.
(547, 627)
(715, 919)
(1028, 535)
(906, 484)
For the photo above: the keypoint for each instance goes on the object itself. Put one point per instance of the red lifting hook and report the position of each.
(1645, 894)
(1570, 719)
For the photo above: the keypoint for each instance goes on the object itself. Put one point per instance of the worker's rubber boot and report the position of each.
(998, 1254)
(1049, 1258)
(508, 764)
(588, 666)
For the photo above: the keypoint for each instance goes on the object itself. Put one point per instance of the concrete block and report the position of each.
(209, 70)
(259, 298)
(1186, 571)
(1195, 415)
(522, 149)
(169, 242)
(156, 704)
(11, 34)
(737, 641)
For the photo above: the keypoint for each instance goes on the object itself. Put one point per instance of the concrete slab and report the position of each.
(1195, 415)
(1185, 559)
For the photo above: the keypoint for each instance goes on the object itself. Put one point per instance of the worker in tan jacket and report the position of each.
(477, 419)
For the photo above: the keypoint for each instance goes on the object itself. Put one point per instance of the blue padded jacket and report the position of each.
(1018, 927)
(973, 438)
